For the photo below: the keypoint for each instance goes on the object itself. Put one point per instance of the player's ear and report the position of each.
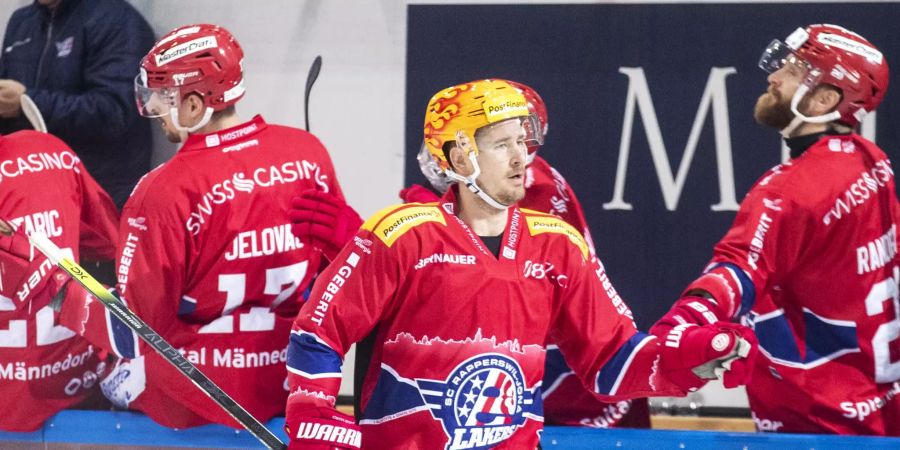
(823, 100)
(194, 105)
(459, 162)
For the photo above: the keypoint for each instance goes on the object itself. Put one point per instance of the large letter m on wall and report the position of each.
(672, 184)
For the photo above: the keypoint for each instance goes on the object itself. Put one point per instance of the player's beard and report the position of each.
(510, 196)
(172, 135)
(772, 110)
(507, 194)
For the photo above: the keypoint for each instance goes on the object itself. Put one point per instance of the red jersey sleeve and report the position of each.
(99, 221)
(149, 270)
(348, 299)
(767, 236)
(595, 331)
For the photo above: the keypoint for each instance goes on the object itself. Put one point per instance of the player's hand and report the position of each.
(418, 194)
(324, 220)
(10, 97)
(303, 430)
(20, 269)
(688, 309)
(693, 355)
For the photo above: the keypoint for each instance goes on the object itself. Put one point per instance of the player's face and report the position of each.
(501, 157)
(185, 116)
(773, 108)
(172, 134)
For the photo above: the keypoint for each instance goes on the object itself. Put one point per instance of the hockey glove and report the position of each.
(687, 310)
(418, 194)
(21, 277)
(322, 428)
(324, 220)
(691, 355)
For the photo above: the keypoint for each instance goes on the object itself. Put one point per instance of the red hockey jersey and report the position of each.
(459, 348)
(812, 257)
(566, 401)
(45, 367)
(207, 259)
(547, 191)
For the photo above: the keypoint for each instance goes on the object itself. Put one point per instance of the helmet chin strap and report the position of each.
(470, 183)
(202, 123)
(799, 118)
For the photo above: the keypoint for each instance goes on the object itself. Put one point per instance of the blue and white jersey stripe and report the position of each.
(310, 357)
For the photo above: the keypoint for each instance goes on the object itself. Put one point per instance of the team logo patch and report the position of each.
(64, 47)
(481, 403)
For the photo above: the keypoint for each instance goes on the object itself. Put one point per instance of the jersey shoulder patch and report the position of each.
(394, 221)
(540, 223)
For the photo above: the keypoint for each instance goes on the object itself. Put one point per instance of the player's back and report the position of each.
(827, 319)
(214, 267)
(231, 203)
(45, 367)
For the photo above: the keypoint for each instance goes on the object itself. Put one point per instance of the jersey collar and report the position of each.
(800, 144)
(512, 235)
(226, 136)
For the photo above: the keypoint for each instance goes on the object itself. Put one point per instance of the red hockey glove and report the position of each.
(418, 194)
(693, 355)
(324, 220)
(322, 428)
(687, 310)
(21, 278)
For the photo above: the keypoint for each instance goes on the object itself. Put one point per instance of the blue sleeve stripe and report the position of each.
(187, 305)
(122, 339)
(310, 357)
(555, 370)
(610, 375)
(748, 291)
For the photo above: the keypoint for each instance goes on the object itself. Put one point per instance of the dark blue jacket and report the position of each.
(78, 64)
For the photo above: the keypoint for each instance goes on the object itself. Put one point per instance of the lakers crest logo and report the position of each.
(482, 402)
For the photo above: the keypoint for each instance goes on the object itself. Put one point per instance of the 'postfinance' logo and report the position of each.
(504, 107)
(546, 224)
(396, 224)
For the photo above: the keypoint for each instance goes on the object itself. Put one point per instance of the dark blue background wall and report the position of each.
(572, 56)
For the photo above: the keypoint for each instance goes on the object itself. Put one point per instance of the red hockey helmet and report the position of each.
(837, 57)
(537, 107)
(200, 59)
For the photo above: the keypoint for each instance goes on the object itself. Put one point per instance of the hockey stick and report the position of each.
(115, 306)
(310, 80)
(33, 114)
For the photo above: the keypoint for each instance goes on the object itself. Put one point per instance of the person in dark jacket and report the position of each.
(77, 60)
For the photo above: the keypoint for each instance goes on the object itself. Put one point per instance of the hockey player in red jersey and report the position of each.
(566, 401)
(202, 257)
(811, 260)
(45, 367)
(463, 293)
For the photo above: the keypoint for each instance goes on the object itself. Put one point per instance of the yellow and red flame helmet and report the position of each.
(455, 113)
